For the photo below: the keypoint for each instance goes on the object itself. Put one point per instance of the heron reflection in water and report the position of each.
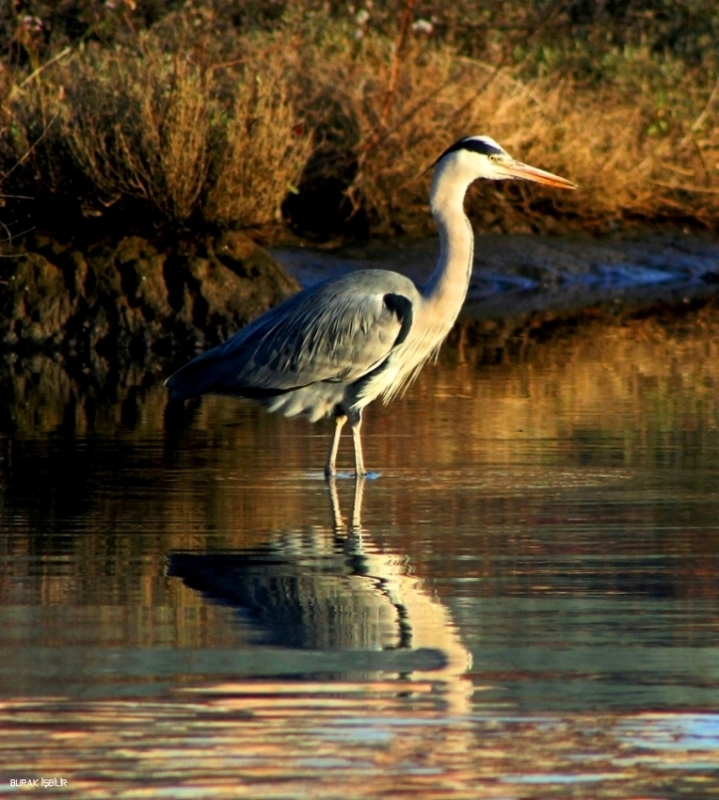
(331, 349)
(327, 600)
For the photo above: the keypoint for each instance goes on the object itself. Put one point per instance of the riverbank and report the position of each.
(136, 141)
(156, 307)
(115, 324)
(134, 302)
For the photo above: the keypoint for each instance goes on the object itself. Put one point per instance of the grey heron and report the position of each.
(332, 348)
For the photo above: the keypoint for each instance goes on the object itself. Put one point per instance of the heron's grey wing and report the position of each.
(337, 331)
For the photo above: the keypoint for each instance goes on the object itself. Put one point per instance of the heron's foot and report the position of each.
(362, 474)
(368, 475)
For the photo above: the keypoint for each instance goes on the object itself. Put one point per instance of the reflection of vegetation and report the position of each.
(650, 384)
(202, 114)
(643, 378)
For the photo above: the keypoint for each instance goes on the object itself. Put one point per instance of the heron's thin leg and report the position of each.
(356, 424)
(332, 457)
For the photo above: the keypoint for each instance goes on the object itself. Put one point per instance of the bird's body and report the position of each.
(335, 347)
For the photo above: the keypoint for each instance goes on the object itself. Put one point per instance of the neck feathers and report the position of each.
(444, 293)
(446, 290)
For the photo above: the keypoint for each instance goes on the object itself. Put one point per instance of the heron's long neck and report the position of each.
(446, 289)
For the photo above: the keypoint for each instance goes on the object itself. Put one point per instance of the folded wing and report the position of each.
(338, 331)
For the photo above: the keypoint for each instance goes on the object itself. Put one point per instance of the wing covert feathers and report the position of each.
(338, 331)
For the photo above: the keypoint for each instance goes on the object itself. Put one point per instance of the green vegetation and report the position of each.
(161, 115)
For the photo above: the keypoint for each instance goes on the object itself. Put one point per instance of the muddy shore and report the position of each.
(531, 287)
(136, 302)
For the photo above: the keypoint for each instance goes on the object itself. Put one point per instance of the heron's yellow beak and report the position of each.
(515, 169)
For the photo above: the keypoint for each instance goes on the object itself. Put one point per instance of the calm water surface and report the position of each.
(524, 603)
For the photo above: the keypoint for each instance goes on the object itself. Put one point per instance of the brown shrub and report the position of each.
(262, 149)
(140, 127)
(194, 140)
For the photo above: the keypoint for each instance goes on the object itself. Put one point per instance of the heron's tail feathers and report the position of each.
(195, 378)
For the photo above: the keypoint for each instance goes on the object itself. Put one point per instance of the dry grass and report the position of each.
(264, 148)
(203, 122)
(629, 168)
(197, 142)
(140, 128)
(193, 139)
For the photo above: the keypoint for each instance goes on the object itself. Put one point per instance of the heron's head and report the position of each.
(481, 157)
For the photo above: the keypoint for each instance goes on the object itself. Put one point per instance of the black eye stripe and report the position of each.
(474, 146)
